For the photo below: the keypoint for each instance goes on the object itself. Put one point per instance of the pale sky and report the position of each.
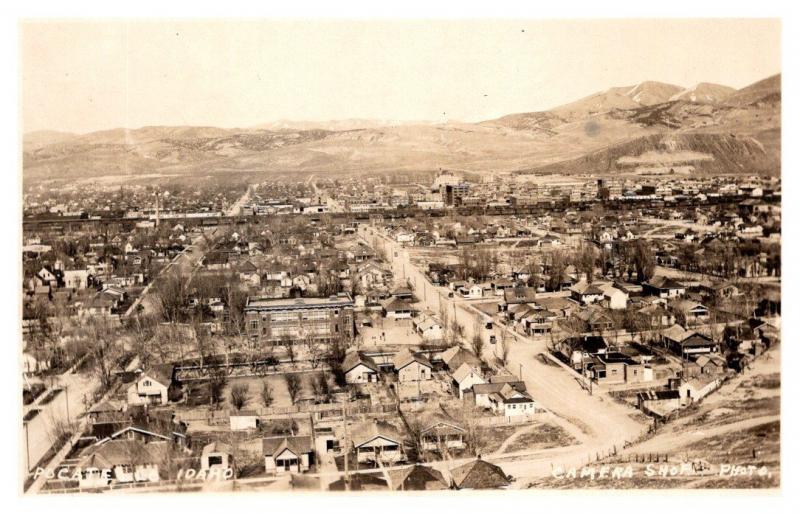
(86, 76)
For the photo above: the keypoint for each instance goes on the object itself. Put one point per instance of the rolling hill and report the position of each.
(705, 93)
(739, 129)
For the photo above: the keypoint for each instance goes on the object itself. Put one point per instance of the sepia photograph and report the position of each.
(345, 256)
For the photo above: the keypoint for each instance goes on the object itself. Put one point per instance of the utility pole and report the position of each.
(346, 449)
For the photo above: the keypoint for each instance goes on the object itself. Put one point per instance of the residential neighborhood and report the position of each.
(219, 297)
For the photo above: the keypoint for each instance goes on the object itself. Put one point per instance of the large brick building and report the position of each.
(274, 321)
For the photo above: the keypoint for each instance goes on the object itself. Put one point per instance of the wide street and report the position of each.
(598, 422)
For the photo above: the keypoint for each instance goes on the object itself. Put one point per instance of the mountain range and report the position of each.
(737, 131)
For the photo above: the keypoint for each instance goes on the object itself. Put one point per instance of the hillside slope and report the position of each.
(742, 134)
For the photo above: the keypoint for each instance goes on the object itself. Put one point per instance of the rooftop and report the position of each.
(271, 304)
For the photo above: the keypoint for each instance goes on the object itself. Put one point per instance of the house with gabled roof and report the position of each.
(359, 368)
(511, 400)
(586, 293)
(440, 430)
(377, 441)
(120, 461)
(152, 386)
(287, 454)
(455, 356)
(664, 287)
(429, 328)
(412, 366)
(466, 376)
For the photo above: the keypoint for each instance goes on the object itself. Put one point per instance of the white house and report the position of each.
(465, 377)
(586, 293)
(429, 328)
(293, 454)
(511, 402)
(151, 387)
(76, 279)
(359, 369)
(472, 291)
(616, 298)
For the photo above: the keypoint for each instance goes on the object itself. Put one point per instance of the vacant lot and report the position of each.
(280, 392)
(540, 437)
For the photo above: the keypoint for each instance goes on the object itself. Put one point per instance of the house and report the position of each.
(377, 441)
(698, 388)
(417, 478)
(664, 287)
(614, 298)
(217, 455)
(429, 328)
(537, 322)
(465, 377)
(517, 295)
(596, 319)
(479, 474)
(442, 432)
(688, 343)
(120, 462)
(578, 350)
(139, 424)
(472, 291)
(152, 387)
(711, 364)
(482, 393)
(586, 293)
(293, 454)
(656, 315)
(455, 356)
(397, 309)
(617, 368)
(76, 279)
(694, 313)
(359, 369)
(405, 238)
(511, 401)
(404, 294)
(360, 482)
(412, 367)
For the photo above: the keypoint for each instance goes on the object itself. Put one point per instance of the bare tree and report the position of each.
(105, 351)
(217, 384)
(293, 385)
(503, 348)
(477, 345)
(172, 296)
(240, 394)
(266, 394)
